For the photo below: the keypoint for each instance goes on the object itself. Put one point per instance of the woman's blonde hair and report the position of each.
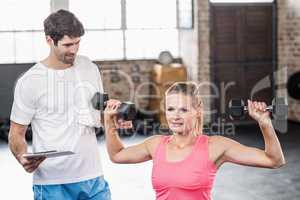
(189, 89)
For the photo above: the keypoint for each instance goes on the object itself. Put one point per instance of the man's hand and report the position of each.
(30, 164)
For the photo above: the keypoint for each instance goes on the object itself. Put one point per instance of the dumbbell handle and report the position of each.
(268, 108)
(126, 110)
(278, 109)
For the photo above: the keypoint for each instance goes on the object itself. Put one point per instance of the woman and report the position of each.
(185, 163)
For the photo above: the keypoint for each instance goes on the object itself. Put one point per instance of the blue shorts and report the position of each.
(93, 189)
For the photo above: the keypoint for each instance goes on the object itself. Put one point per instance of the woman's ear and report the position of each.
(199, 113)
(199, 109)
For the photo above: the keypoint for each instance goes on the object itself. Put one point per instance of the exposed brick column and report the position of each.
(288, 49)
(204, 67)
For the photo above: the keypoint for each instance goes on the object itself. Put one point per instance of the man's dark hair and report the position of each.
(61, 23)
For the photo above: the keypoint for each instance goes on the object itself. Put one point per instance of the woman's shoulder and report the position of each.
(217, 145)
(219, 140)
(152, 142)
(155, 139)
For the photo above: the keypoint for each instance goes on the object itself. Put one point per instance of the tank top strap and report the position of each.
(160, 149)
(202, 141)
(203, 152)
(201, 148)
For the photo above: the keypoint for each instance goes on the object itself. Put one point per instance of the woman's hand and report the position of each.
(110, 116)
(257, 110)
(110, 112)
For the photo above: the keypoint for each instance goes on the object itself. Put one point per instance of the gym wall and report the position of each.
(118, 77)
(195, 48)
(128, 80)
(8, 75)
(195, 54)
(288, 50)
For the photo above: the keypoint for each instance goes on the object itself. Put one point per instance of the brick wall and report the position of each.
(204, 67)
(128, 80)
(288, 49)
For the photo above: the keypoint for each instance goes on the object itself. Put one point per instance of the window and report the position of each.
(97, 14)
(241, 1)
(127, 29)
(21, 30)
(148, 43)
(151, 28)
(154, 14)
(102, 45)
(7, 48)
(185, 14)
(115, 29)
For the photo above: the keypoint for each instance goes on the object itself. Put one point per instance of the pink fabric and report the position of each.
(189, 179)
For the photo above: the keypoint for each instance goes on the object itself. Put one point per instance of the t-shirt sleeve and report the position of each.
(99, 79)
(23, 108)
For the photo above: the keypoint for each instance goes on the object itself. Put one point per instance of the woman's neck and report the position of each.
(182, 140)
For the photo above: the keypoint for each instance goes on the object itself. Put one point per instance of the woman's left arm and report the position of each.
(271, 157)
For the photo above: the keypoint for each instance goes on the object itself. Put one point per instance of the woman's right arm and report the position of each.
(117, 152)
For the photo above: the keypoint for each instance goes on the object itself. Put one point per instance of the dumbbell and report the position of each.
(126, 111)
(4, 129)
(278, 109)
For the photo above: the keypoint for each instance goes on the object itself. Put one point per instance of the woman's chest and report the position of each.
(174, 154)
(182, 174)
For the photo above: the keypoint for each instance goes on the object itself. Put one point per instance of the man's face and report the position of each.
(66, 49)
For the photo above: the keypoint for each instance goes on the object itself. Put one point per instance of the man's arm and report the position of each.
(18, 146)
(17, 141)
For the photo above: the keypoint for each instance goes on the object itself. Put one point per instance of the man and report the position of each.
(54, 96)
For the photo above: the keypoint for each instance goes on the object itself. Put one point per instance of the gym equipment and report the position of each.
(126, 111)
(4, 130)
(278, 109)
(293, 86)
(165, 58)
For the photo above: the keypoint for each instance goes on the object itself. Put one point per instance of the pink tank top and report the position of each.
(189, 179)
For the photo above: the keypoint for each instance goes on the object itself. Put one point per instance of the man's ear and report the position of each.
(49, 40)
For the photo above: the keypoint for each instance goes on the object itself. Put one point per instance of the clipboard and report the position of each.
(48, 154)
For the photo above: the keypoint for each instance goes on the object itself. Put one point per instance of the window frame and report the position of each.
(123, 29)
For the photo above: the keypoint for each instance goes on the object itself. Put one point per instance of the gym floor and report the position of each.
(134, 181)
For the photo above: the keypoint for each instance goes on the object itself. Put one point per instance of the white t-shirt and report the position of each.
(57, 104)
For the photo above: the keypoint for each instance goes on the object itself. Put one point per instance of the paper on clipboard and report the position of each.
(48, 154)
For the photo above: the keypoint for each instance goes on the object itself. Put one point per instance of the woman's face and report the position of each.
(181, 115)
